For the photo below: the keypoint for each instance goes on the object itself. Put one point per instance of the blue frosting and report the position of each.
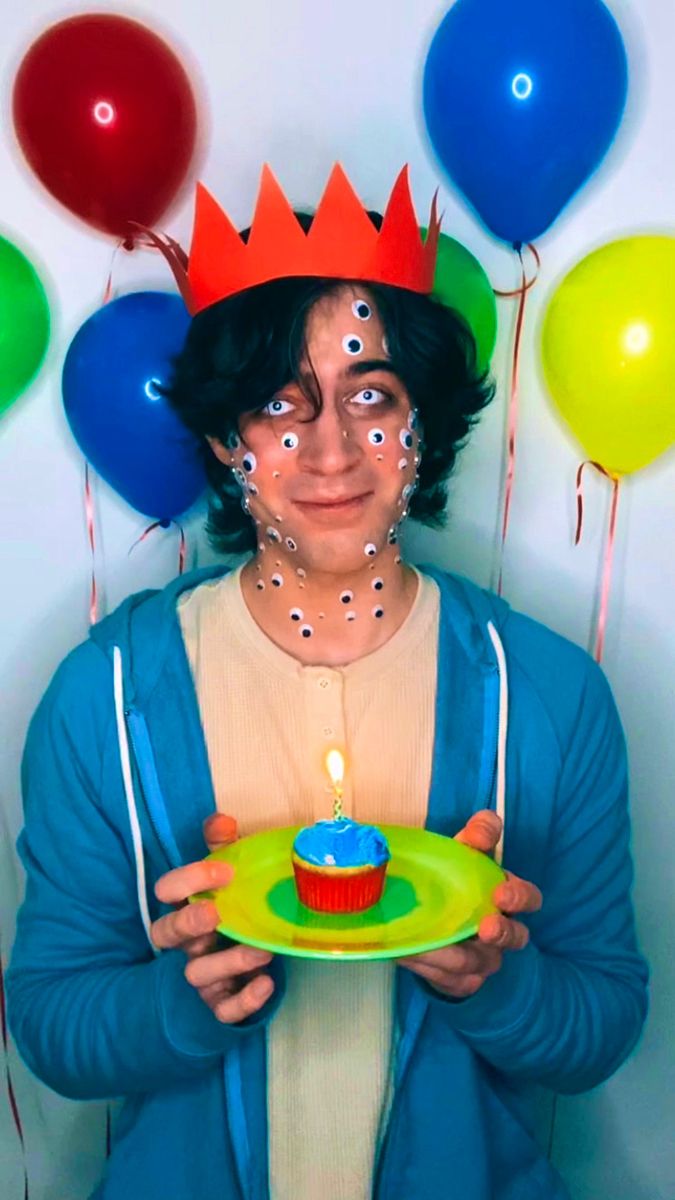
(343, 843)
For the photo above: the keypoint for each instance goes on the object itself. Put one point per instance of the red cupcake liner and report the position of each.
(335, 893)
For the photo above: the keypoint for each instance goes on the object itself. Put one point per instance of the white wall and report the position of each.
(302, 83)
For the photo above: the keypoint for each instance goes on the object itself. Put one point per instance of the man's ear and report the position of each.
(221, 452)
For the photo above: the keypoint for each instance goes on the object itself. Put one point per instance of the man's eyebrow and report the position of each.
(364, 366)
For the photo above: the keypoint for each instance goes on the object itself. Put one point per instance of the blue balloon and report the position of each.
(522, 99)
(122, 424)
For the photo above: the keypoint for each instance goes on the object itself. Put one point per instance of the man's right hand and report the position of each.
(229, 981)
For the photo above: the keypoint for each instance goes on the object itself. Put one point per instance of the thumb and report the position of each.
(220, 829)
(481, 831)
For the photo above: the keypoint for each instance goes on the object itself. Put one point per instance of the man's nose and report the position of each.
(327, 445)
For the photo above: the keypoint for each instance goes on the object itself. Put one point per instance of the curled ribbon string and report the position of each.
(525, 286)
(8, 1077)
(108, 290)
(609, 548)
(89, 512)
(164, 525)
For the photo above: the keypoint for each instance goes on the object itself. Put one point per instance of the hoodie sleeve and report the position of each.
(93, 1013)
(568, 1009)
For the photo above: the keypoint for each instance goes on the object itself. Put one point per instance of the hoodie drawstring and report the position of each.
(502, 729)
(125, 763)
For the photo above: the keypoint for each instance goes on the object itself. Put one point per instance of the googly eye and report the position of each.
(376, 436)
(392, 537)
(260, 585)
(377, 611)
(292, 545)
(233, 441)
(402, 464)
(306, 631)
(412, 419)
(346, 597)
(352, 344)
(296, 614)
(377, 584)
(277, 580)
(351, 615)
(240, 477)
(249, 462)
(406, 439)
(252, 489)
(361, 310)
(273, 534)
(301, 572)
(276, 408)
(370, 549)
(407, 491)
(290, 441)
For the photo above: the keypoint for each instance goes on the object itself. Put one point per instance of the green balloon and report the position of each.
(461, 283)
(24, 323)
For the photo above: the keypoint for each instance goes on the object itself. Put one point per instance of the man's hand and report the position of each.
(228, 981)
(459, 971)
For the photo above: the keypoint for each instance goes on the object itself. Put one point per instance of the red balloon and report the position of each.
(106, 117)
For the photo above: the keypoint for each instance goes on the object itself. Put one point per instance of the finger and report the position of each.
(482, 831)
(517, 895)
(205, 944)
(470, 958)
(498, 930)
(177, 885)
(457, 986)
(220, 829)
(225, 964)
(182, 926)
(236, 1008)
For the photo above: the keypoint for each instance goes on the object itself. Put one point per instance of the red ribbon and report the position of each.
(521, 292)
(609, 548)
(8, 1077)
(164, 525)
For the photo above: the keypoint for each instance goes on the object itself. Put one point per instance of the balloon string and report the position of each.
(521, 293)
(89, 512)
(609, 549)
(108, 290)
(8, 1078)
(163, 525)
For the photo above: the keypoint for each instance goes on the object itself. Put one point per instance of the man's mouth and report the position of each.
(338, 505)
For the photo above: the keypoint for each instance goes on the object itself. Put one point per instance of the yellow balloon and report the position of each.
(608, 347)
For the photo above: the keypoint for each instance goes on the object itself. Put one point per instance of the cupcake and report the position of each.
(340, 865)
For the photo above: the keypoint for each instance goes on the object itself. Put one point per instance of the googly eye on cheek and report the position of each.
(290, 441)
(249, 462)
(370, 549)
(406, 439)
(277, 580)
(376, 437)
(352, 344)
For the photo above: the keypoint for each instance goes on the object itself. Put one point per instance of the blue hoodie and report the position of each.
(95, 1013)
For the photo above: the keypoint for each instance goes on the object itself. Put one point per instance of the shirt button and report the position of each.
(324, 683)
(328, 731)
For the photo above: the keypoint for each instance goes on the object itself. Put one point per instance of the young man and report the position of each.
(332, 394)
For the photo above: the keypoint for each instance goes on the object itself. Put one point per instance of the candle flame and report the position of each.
(335, 765)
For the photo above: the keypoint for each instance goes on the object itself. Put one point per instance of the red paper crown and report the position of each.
(342, 243)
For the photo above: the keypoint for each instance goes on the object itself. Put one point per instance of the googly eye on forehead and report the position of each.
(277, 580)
(352, 344)
(289, 441)
(376, 436)
(296, 614)
(346, 597)
(377, 611)
(306, 631)
(351, 615)
(291, 543)
(406, 439)
(362, 310)
(377, 584)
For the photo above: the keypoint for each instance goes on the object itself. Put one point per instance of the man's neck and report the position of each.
(349, 617)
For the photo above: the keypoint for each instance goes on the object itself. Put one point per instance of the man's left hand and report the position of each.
(459, 971)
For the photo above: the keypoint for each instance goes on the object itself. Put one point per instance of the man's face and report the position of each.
(328, 490)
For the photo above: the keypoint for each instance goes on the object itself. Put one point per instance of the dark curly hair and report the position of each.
(240, 351)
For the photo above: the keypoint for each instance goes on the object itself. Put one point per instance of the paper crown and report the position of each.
(342, 243)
